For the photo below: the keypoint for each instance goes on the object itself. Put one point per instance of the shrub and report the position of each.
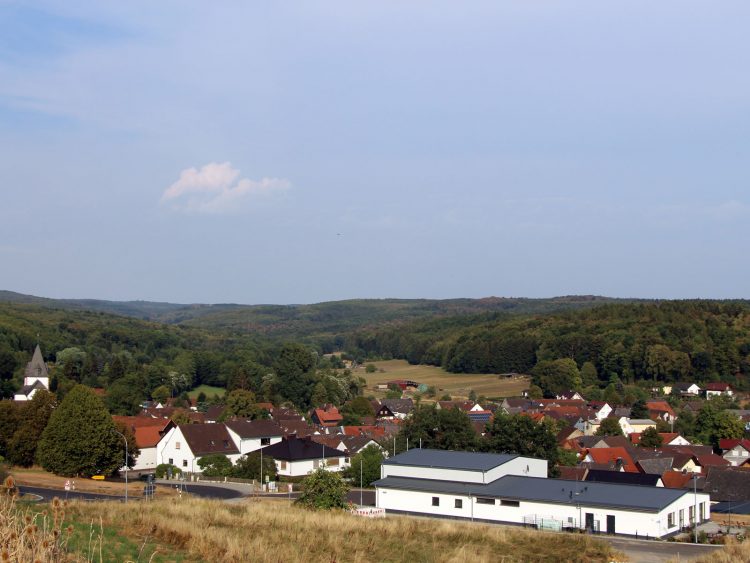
(323, 490)
(162, 470)
(215, 465)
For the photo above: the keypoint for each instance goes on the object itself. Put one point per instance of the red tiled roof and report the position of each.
(147, 436)
(675, 479)
(729, 443)
(364, 430)
(330, 417)
(717, 386)
(611, 455)
(711, 460)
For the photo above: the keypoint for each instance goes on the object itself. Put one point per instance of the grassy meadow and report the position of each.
(457, 385)
(208, 390)
(270, 530)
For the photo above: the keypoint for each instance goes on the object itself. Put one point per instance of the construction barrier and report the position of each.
(369, 512)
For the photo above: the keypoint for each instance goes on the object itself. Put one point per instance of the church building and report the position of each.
(35, 377)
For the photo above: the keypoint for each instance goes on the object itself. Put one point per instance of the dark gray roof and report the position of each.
(554, 491)
(467, 461)
(622, 477)
(205, 439)
(296, 449)
(255, 428)
(36, 367)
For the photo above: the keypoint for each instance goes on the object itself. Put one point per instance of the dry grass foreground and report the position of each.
(458, 385)
(272, 531)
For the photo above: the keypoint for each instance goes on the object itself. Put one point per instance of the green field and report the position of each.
(207, 389)
(457, 385)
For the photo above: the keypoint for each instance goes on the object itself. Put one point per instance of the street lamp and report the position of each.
(695, 515)
(126, 461)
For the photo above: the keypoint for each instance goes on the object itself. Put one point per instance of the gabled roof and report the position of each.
(247, 429)
(717, 386)
(401, 406)
(328, 417)
(657, 465)
(612, 456)
(204, 439)
(711, 460)
(298, 449)
(676, 479)
(444, 459)
(683, 386)
(36, 367)
(731, 443)
(727, 484)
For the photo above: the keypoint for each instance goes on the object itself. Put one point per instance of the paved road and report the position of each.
(135, 493)
(645, 551)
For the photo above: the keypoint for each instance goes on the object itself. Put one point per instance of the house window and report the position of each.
(347, 460)
(333, 461)
(435, 501)
(481, 500)
(316, 463)
(509, 503)
(670, 520)
(177, 445)
(171, 461)
(226, 444)
(184, 463)
(691, 514)
(265, 441)
(459, 503)
(283, 465)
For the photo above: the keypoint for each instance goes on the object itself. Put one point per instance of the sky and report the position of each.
(307, 151)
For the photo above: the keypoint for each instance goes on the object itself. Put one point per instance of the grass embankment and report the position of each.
(731, 553)
(457, 385)
(272, 531)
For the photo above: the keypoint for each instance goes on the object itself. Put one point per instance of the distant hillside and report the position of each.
(316, 321)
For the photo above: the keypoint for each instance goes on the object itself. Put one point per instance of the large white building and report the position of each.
(512, 489)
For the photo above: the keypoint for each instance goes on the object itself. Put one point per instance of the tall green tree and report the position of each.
(522, 435)
(80, 438)
(365, 466)
(639, 409)
(650, 438)
(355, 410)
(441, 429)
(295, 368)
(609, 427)
(32, 419)
(249, 467)
(557, 376)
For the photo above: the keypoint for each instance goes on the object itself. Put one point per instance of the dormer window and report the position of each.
(226, 444)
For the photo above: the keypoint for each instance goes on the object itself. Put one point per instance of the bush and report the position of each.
(323, 490)
(162, 470)
(215, 465)
(248, 467)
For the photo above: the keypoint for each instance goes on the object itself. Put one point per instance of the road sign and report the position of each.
(67, 485)
(98, 477)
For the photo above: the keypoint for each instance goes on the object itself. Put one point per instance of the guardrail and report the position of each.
(369, 512)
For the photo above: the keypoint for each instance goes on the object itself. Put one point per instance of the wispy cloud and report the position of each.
(217, 188)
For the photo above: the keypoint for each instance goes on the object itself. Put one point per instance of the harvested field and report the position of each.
(457, 385)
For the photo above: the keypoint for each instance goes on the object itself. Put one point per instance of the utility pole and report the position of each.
(261, 469)
(126, 461)
(695, 494)
(361, 480)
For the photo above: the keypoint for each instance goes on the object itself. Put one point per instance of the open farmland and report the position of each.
(457, 385)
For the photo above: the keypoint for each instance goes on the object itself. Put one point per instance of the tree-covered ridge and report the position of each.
(319, 323)
(664, 341)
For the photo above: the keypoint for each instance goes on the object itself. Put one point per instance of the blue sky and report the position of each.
(295, 152)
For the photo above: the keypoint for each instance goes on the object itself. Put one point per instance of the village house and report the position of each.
(35, 377)
(512, 489)
(252, 435)
(296, 457)
(736, 452)
(661, 410)
(327, 416)
(148, 433)
(686, 389)
(630, 425)
(185, 444)
(718, 389)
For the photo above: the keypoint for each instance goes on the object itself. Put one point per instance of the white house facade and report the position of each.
(296, 457)
(553, 504)
(185, 444)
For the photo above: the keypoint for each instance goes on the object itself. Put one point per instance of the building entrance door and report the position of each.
(610, 523)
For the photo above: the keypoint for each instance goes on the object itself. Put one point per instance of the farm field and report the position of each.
(207, 389)
(457, 385)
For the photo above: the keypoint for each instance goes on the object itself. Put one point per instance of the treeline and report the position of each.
(130, 359)
(665, 341)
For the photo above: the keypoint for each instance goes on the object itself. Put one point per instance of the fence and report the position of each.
(549, 523)
(369, 512)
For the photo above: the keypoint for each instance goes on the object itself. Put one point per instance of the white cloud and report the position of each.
(215, 188)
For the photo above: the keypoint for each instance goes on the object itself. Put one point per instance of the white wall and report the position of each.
(628, 522)
(307, 466)
(146, 460)
(247, 445)
(517, 466)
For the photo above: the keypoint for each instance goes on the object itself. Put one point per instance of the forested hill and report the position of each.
(664, 341)
(318, 322)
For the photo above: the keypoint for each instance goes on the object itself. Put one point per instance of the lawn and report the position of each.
(457, 385)
(207, 389)
(38, 477)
